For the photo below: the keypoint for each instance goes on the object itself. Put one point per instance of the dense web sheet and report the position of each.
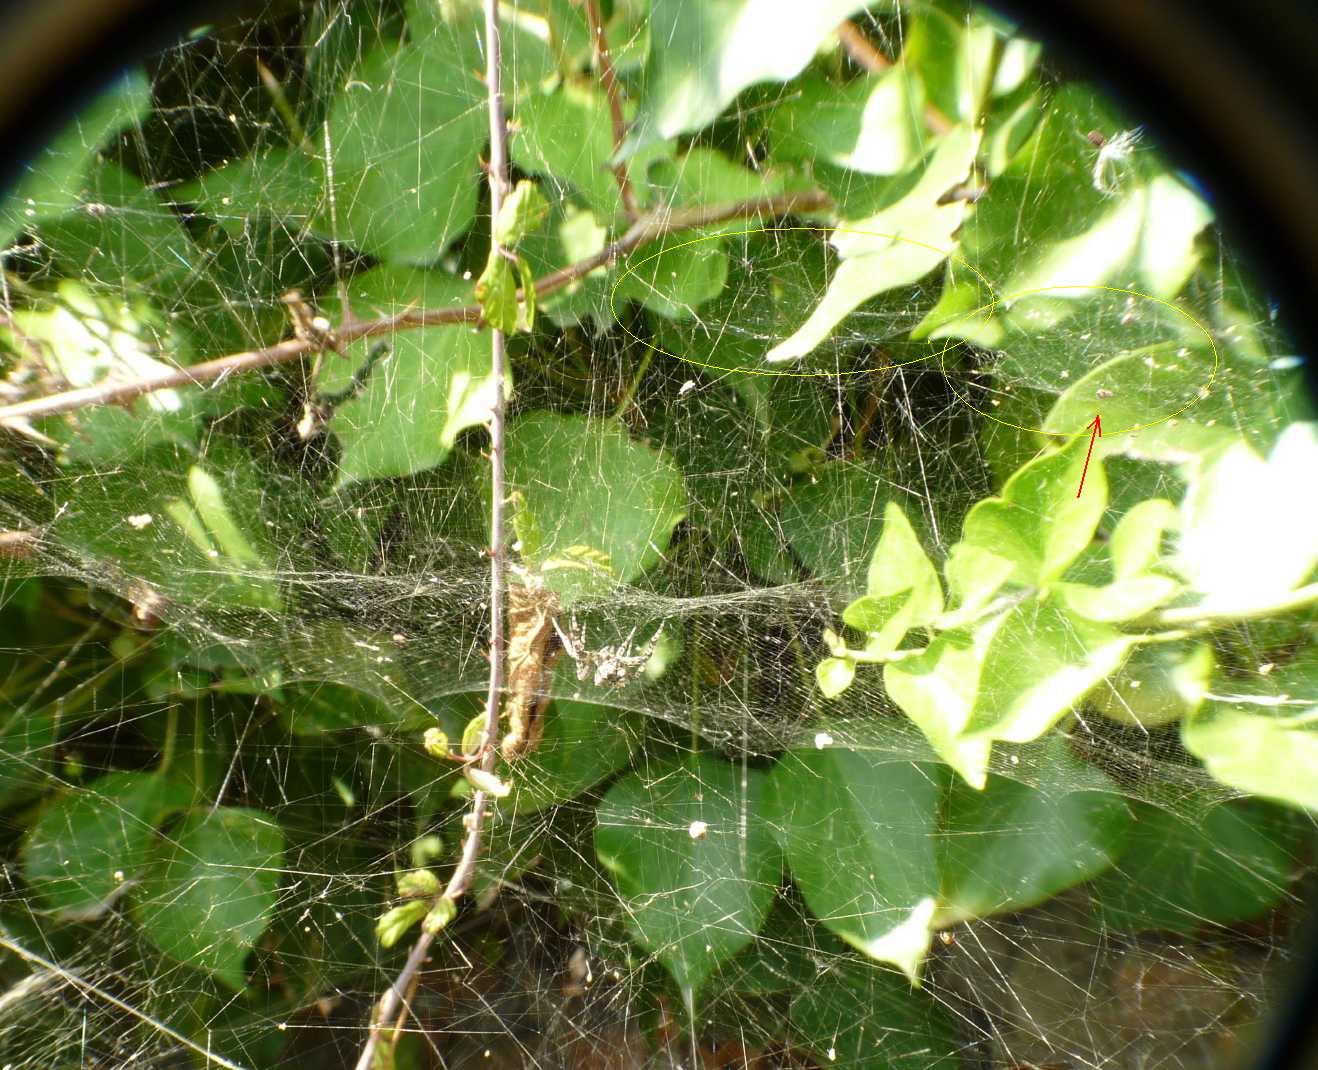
(231, 611)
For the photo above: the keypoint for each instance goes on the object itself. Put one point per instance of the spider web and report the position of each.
(295, 678)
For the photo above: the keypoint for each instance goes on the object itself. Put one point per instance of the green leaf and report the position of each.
(697, 877)
(856, 1015)
(27, 751)
(1010, 846)
(871, 125)
(1181, 873)
(1262, 737)
(435, 385)
(210, 890)
(326, 709)
(594, 508)
(396, 922)
(1039, 523)
(858, 833)
(567, 136)
(703, 55)
(286, 183)
(1040, 661)
(53, 181)
(897, 246)
(145, 518)
(405, 157)
(1247, 532)
(90, 841)
(675, 276)
(834, 521)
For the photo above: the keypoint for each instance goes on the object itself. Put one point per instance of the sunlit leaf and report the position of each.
(1261, 734)
(703, 55)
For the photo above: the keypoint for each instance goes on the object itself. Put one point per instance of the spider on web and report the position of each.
(613, 664)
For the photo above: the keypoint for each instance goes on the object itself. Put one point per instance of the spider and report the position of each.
(610, 664)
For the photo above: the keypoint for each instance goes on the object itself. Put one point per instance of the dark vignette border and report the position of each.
(1228, 91)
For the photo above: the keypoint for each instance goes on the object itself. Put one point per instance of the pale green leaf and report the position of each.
(1249, 535)
(523, 211)
(1123, 599)
(1136, 543)
(1260, 735)
(703, 55)
(496, 290)
(835, 675)
(1038, 665)
(897, 246)
(937, 691)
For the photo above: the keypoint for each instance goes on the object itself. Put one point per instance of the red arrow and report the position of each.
(1097, 424)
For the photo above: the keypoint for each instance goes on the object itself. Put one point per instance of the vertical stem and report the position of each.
(609, 77)
(389, 1009)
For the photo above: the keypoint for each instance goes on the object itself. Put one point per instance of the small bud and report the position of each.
(834, 642)
(440, 915)
(417, 884)
(394, 923)
(521, 212)
(436, 743)
(486, 782)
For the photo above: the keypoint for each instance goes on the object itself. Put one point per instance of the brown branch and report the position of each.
(611, 89)
(858, 47)
(864, 54)
(394, 999)
(647, 229)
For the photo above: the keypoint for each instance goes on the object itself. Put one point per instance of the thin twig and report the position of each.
(609, 77)
(865, 55)
(394, 999)
(644, 230)
(859, 48)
